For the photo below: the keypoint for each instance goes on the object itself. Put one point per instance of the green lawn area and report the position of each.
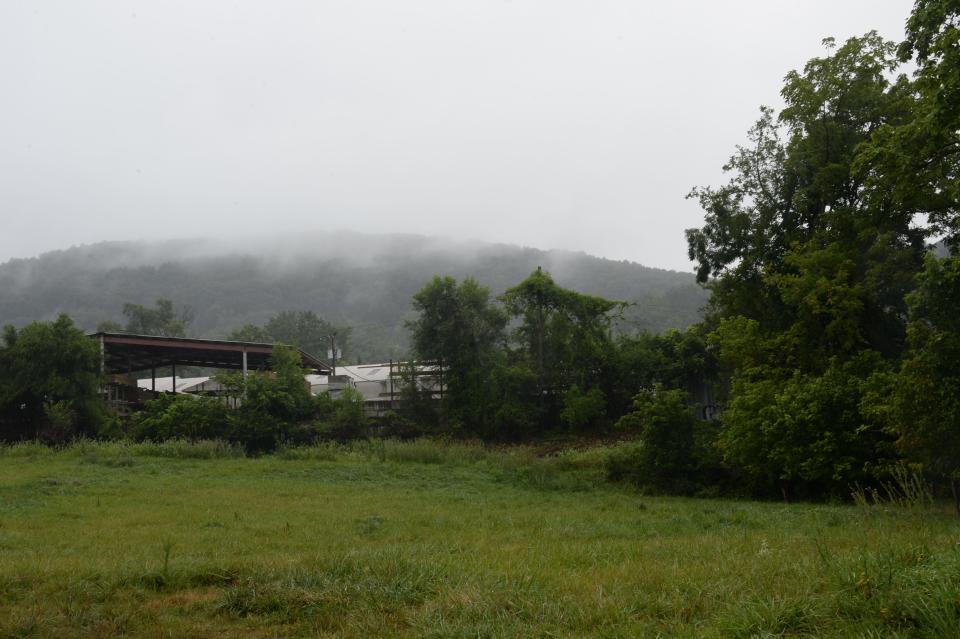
(383, 540)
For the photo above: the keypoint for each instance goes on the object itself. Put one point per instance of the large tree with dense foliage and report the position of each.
(460, 330)
(913, 168)
(49, 380)
(808, 270)
(562, 336)
(556, 370)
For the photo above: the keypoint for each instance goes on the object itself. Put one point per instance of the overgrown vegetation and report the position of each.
(273, 409)
(379, 539)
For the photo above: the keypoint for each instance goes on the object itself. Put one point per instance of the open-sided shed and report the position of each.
(122, 353)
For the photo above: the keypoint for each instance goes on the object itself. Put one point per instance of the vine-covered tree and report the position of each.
(563, 338)
(562, 334)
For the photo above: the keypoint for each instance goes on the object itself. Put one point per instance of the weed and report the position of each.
(906, 489)
(167, 549)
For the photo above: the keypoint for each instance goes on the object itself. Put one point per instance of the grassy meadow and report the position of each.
(387, 539)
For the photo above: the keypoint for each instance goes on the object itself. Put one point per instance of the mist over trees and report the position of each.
(303, 329)
(366, 281)
(163, 320)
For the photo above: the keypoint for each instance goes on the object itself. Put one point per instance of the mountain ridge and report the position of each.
(348, 278)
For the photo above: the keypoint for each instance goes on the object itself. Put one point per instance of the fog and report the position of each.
(572, 125)
(280, 254)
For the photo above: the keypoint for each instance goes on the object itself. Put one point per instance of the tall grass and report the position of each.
(905, 489)
(418, 451)
(439, 539)
(171, 448)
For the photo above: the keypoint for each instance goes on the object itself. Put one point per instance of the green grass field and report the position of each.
(387, 539)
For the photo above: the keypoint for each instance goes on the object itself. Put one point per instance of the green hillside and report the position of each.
(365, 281)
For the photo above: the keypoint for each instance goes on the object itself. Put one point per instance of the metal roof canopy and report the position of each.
(127, 353)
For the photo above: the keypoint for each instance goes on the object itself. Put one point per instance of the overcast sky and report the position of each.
(552, 123)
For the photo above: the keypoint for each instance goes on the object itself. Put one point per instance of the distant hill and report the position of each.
(365, 281)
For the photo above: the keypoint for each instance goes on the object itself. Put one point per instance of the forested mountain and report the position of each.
(363, 281)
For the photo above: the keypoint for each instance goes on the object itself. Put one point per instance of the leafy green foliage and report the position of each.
(460, 331)
(562, 333)
(183, 416)
(164, 320)
(809, 269)
(271, 404)
(674, 359)
(343, 419)
(920, 404)
(303, 329)
(804, 433)
(273, 408)
(49, 381)
(665, 455)
(583, 410)
(913, 167)
(517, 415)
(564, 339)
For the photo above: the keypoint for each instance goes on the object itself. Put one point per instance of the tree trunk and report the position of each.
(785, 491)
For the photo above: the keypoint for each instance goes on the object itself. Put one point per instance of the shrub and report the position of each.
(346, 419)
(665, 455)
(583, 410)
(394, 426)
(274, 407)
(182, 416)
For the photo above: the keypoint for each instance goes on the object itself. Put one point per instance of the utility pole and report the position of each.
(333, 354)
(390, 377)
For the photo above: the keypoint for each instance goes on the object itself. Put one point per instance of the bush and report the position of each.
(345, 419)
(667, 454)
(274, 407)
(809, 434)
(394, 426)
(583, 410)
(182, 417)
(258, 431)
